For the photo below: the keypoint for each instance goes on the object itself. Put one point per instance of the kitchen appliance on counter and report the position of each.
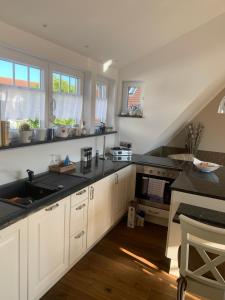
(86, 154)
(120, 154)
(153, 192)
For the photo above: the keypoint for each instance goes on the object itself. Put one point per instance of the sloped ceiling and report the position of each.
(122, 30)
(180, 79)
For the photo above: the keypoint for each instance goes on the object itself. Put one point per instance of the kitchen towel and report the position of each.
(156, 189)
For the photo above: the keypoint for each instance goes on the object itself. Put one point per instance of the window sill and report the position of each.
(129, 116)
(56, 140)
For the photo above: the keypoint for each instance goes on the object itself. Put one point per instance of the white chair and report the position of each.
(202, 260)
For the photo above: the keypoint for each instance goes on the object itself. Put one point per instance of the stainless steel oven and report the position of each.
(153, 191)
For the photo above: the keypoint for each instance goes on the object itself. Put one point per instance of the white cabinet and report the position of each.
(78, 246)
(78, 228)
(124, 191)
(13, 261)
(108, 201)
(99, 209)
(48, 247)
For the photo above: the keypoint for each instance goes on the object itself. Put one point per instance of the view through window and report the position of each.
(21, 94)
(67, 99)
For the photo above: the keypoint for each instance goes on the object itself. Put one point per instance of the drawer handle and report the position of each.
(81, 206)
(81, 192)
(52, 207)
(92, 193)
(79, 235)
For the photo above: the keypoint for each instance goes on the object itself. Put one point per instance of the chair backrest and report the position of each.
(209, 244)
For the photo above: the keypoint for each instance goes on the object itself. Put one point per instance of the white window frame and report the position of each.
(19, 57)
(125, 85)
(63, 70)
(105, 81)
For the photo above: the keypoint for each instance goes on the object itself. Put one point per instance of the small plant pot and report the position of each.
(41, 134)
(26, 136)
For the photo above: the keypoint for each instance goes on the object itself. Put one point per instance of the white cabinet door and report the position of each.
(78, 245)
(124, 190)
(48, 247)
(78, 217)
(99, 210)
(78, 228)
(13, 262)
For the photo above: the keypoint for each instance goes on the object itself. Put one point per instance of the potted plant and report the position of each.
(25, 133)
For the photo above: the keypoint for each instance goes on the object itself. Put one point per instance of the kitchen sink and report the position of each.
(25, 193)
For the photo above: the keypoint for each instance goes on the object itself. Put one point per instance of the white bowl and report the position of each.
(204, 166)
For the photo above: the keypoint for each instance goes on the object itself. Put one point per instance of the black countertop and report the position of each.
(203, 215)
(193, 181)
(190, 180)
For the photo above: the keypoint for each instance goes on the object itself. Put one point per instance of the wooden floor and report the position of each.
(128, 264)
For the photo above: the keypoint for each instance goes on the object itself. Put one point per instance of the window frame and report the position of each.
(42, 81)
(105, 82)
(125, 86)
(18, 57)
(63, 70)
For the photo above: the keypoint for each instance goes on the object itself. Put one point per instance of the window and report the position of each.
(67, 99)
(101, 102)
(132, 98)
(22, 96)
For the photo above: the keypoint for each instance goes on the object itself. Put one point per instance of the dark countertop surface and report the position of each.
(203, 215)
(193, 181)
(190, 180)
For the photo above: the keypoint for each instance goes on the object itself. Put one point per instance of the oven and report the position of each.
(153, 192)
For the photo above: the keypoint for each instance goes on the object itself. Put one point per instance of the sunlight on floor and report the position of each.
(139, 258)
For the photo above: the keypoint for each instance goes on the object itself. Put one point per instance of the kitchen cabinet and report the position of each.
(108, 201)
(13, 261)
(48, 256)
(124, 191)
(99, 209)
(78, 227)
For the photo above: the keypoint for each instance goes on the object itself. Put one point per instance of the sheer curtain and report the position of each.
(101, 109)
(21, 104)
(101, 102)
(67, 106)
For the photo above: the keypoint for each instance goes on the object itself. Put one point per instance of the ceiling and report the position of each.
(122, 30)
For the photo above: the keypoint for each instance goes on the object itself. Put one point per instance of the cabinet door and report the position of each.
(124, 189)
(48, 247)
(99, 210)
(13, 262)
(78, 246)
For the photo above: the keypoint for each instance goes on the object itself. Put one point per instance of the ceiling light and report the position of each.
(106, 65)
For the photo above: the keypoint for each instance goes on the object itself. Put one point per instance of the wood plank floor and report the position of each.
(127, 264)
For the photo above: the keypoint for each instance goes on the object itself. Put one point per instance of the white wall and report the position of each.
(14, 162)
(180, 79)
(214, 124)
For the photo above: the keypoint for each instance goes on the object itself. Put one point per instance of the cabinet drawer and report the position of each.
(78, 217)
(79, 196)
(156, 212)
(78, 246)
